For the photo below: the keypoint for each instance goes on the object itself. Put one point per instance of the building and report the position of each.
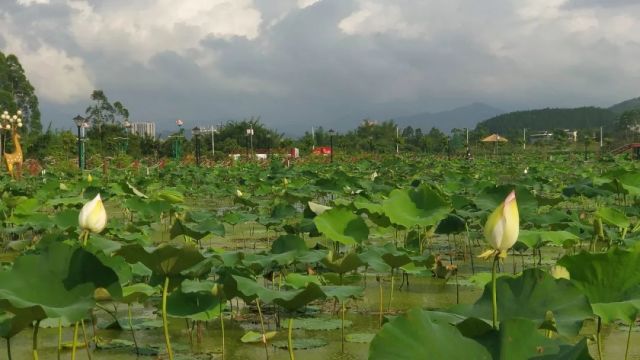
(144, 129)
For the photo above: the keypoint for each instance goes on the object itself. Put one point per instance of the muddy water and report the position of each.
(423, 292)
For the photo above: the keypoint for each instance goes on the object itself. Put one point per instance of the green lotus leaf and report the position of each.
(191, 286)
(361, 338)
(613, 217)
(135, 191)
(319, 324)
(342, 293)
(610, 280)
(521, 339)
(422, 206)
(249, 289)
(422, 334)
(298, 281)
(235, 218)
(188, 305)
(301, 344)
(286, 243)
(256, 337)
(452, 224)
(164, 261)
(342, 225)
(171, 195)
(348, 262)
(490, 197)
(527, 296)
(534, 239)
(12, 323)
(61, 282)
(99, 269)
(66, 219)
(137, 293)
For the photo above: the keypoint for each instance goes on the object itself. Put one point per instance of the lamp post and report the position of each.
(81, 123)
(331, 133)
(249, 140)
(127, 129)
(176, 140)
(9, 122)
(268, 145)
(196, 132)
(213, 142)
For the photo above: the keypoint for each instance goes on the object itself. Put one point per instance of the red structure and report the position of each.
(322, 150)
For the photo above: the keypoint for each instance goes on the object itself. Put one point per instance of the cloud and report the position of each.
(140, 29)
(32, 2)
(301, 62)
(57, 76)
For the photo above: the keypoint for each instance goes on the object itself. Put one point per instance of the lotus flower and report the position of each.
(503, 225)
(93, 216)
(560, 272)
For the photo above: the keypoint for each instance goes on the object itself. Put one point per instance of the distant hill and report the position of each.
(460, 117)
(630, 104)
(550, 119)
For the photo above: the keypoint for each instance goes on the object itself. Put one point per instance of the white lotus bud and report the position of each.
(93, 216)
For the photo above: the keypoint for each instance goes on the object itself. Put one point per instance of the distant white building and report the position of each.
(144, 129)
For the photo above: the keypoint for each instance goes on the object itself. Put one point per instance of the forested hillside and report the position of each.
(550, 119)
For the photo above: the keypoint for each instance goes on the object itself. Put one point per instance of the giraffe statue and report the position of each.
(15, 158)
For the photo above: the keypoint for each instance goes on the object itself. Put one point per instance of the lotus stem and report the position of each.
(59, 337)
(35, 340)
(391, 292)
(73, 345)
(626, 352)
(133, 332)
(290, 341)
(222, 327)
(380, 315)
(86, 342)
(494, 297)
(342, 325)
(8, 348)
(264, 334)
(165, 322)
(85, 237)
(599, 338)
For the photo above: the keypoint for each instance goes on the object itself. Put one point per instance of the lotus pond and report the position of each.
(364, 258)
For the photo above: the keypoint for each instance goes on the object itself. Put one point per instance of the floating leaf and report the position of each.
(256, 337)
(301, 344)
(362, 338)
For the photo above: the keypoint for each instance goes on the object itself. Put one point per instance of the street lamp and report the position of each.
(213, 142)
(268, 145)
(124, 145)
(331, 133)
(9, 122)
(196, 132)
(249, 139)
(81, 123)
(176, 140)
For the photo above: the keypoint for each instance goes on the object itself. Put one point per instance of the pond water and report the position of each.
(423, 292)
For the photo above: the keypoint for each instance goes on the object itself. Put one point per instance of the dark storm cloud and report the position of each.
(333, 62)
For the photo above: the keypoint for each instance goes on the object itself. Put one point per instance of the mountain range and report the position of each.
(461, 117)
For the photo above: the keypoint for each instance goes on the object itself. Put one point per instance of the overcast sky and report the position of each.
(298, 63)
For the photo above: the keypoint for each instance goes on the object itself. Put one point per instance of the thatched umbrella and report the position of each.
(494, 138)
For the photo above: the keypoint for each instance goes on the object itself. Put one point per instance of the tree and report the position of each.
(101, 111)
(17, 93)
(629, 123)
